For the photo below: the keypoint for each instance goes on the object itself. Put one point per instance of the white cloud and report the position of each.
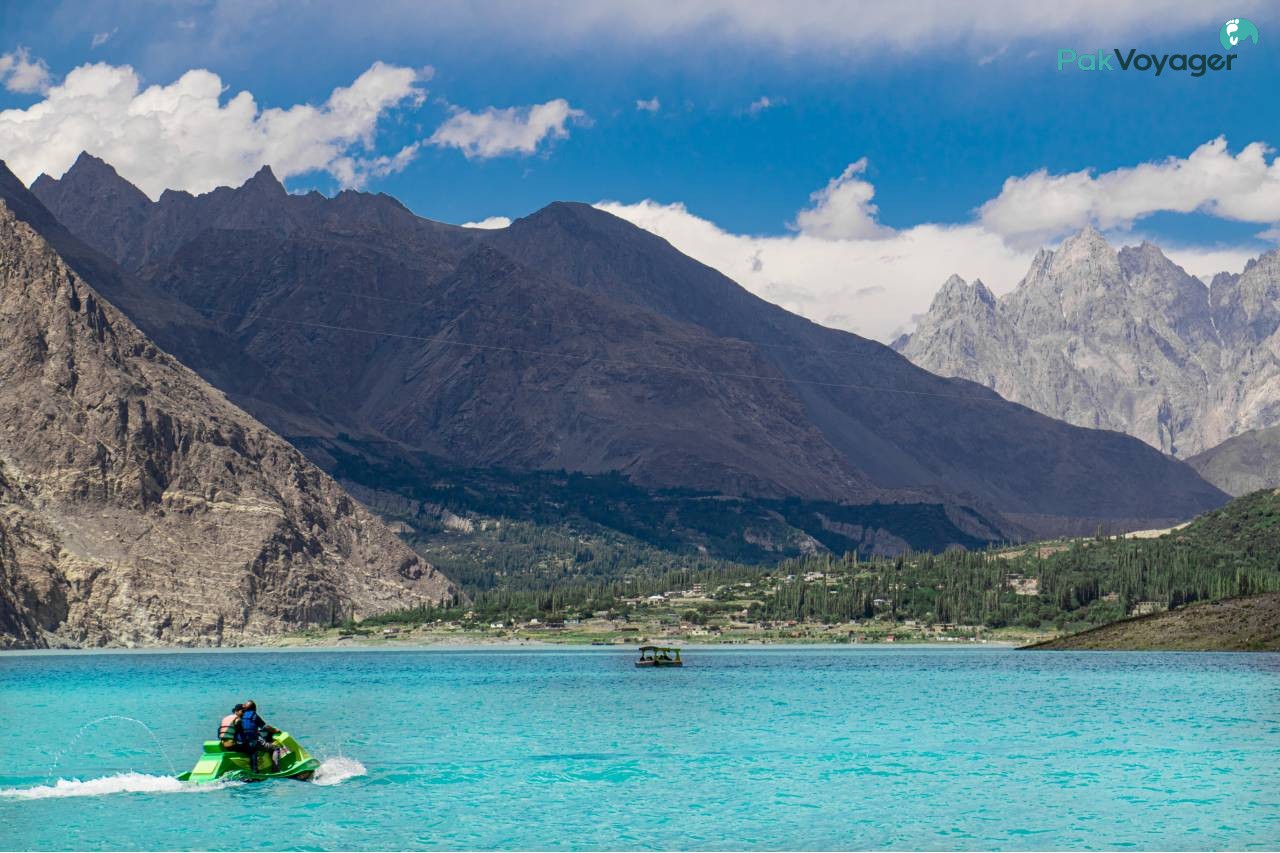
(357, 171)
(489, 222)
(22, 74)
(513, 130)
(182, 136)
(99, 39)
(863, 31)
(844, 269)
(652, 105)
(1203, 262)
(764, 102)
(871, 286)
(842, 210)
(1040, 206)
(988, 58)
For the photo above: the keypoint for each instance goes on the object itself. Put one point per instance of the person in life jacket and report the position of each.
(229, 728)
(255, 736)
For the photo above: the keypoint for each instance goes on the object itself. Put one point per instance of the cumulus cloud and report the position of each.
(1039, 206)
(650, 106)
(22, 74)
(489, 222)
(842, 210)
(1203, 262)
(874, 286)
(183, 136)
(843, 269)
(512, 130)
(869, 285)
(99, 39)
(357, 171)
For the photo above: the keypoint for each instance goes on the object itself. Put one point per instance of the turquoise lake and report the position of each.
(758, 748)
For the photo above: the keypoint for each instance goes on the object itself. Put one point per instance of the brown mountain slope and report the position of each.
(593, 346)
(1248, 623)
(138, 506)
(903, 426)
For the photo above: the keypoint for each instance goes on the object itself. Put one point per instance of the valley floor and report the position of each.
(612, 633)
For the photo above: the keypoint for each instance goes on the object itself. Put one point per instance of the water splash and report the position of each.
(119, 783)
(335, 771)
(332, 771)
(57, 758)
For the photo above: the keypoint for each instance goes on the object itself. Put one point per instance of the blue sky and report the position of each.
(945, 102)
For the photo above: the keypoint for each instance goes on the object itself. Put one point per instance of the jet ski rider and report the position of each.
(244, 731)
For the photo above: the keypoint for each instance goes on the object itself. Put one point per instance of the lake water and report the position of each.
(759, 748)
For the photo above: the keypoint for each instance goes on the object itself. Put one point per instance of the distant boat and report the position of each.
(659, 656)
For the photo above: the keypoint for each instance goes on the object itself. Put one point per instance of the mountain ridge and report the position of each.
(1123, 340)
(806, 410)
(137, 505)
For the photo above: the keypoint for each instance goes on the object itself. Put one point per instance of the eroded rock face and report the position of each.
(138, 506)
(1119, 340)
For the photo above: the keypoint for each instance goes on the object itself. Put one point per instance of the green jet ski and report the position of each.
(218, 763)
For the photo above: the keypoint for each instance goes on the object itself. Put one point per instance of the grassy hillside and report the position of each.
(519, 570)
(1248, 623)
(1221, 573)
(1246, 531)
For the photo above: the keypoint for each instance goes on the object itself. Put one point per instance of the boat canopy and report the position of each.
(662, 650)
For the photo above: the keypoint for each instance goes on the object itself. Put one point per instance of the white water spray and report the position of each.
(57, 758)
(335, 771)
(120, 783)
(332, 771)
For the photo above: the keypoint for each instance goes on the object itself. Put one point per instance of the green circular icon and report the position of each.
(1237, 30)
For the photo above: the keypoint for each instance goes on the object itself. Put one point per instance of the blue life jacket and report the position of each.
(250, 725)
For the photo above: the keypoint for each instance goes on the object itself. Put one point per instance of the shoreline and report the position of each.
(496, 646)
(501, 646)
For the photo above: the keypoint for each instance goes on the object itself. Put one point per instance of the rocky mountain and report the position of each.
(1123, 340)
(139, 506)
(1242, 463)
(574, 340)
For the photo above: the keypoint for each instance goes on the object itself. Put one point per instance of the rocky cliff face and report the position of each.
(1119, 340)
(573, 340)
(138, 506)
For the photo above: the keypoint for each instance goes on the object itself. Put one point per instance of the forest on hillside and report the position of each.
(519, 571)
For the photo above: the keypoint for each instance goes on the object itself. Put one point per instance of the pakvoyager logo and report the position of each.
(1237, 30)
(1233, 32)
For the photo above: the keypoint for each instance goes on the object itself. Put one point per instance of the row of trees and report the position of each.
(521, 570)
(1085, 583)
